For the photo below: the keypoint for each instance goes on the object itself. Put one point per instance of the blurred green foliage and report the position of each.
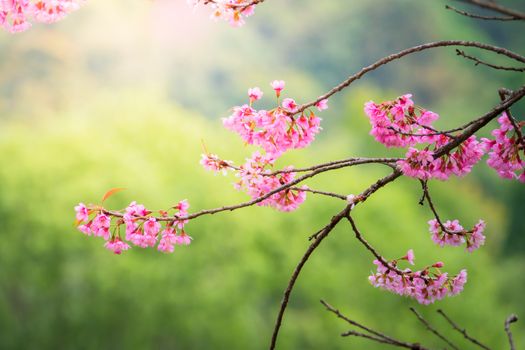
(100, 101)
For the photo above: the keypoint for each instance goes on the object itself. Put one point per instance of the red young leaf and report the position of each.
(111, 192)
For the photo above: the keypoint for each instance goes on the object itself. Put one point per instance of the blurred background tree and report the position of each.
(120, 95)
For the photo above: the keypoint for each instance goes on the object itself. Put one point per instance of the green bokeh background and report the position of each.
(121, 93)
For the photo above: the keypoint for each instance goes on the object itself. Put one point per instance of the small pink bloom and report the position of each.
(290, 105)
(410, 257)
(476, 239)
(255, 94)
(278, 86)
(116, 246)
(151, 227)
(85, 229)
(183, 239)
(322, 105)
(82, 213)
(100, 226)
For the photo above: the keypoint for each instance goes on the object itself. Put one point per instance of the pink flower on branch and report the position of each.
(232, 11)
(453, 234)
(116, 246)
(142, 229)
(213, 163)
(425, 286)
(15, 15)
(278, 86)
(276, 130)
(507, 151)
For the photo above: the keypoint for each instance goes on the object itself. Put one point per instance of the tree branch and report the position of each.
(432, 329)
(406, 52)
(478, 62)
(490, 18)
(511, 319)
(291, 283)
(377, 336)
(462, 331)
(493, 6)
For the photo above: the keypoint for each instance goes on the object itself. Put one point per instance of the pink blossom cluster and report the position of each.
(422, 165)
(276, 130)
(425, 286)
(506, 151)
(232, 11)
(15, 15)
(257, 180)
(400, 123)
(453, 234)
(394, 123)
(212, 162)
(141, 229)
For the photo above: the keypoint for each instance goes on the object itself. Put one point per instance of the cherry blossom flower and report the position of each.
(116, 245)
(100, 226)
(255, 94)
(82, 213)
(453, 234)
(15, 15)
(212, 162)
(322, 105)
(506, 151)
(278, 86)
(425, 286)
(151, 227)
(232, 11)
(409, 257)
(393, 122)
(276, 130)
(290, 105)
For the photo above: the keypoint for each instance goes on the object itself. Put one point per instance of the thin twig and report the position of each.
(291, 283)
(426, 195)
(343, 162)
(432, 329)
(378, 336)
(324, 193)
(369, 191)
(511, 319)
(493, 6)
(462, 330)
(478, 62)
(366, 336)
(406, 52)
(369, 247)
(490, 18)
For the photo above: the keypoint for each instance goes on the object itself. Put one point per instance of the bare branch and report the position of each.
(490, 18)
(478, 62)
(406, 52)
(378, 336)
(432, 329)
(291, 283)
(493, 6)
(462, 331)
(324, 193)
(369, 247)
(366, 336)
(511, 319)
(426, 195)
